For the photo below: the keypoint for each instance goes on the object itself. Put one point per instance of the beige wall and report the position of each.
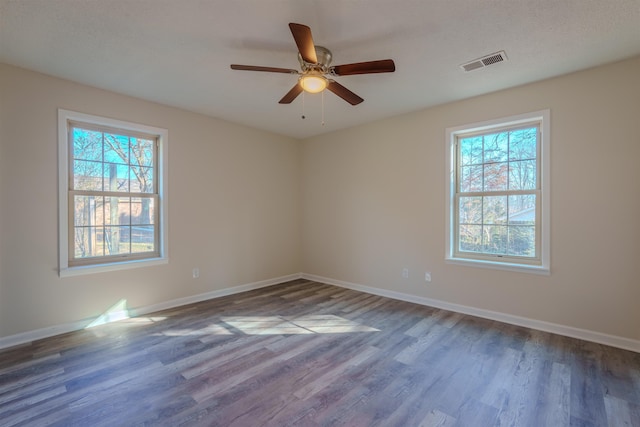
(234, 201)
(356, 206)
(374, 203)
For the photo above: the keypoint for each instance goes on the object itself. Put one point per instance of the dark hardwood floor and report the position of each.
(309, 354)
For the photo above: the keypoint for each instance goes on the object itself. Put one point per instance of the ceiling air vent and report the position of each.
(485, 61)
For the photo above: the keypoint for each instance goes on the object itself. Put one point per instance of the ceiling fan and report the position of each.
(315, 63)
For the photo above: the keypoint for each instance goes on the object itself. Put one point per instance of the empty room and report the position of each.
(320, 213)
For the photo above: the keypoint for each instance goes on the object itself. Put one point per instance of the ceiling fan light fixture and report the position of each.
(313, 83)
(315, 69)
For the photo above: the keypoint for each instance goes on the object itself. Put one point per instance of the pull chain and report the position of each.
(322, 108)
(304, 117)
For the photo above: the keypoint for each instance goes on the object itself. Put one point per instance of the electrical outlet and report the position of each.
(427, 276)
(196, 273)
(405, 273)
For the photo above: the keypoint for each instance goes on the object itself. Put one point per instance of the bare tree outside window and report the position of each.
(113, 193)
(497, 192)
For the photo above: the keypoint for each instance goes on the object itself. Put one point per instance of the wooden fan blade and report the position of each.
(381, 66)
(291, 95)
(304, 41)
(344, 93)
(267, 69)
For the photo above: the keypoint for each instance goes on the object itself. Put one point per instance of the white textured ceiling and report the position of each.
(178, 52)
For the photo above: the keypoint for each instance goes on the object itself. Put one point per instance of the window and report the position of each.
(112, 203)
(498, 198)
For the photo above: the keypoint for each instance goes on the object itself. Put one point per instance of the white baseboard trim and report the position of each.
(141, 311)
(568, 331)
(29, 336)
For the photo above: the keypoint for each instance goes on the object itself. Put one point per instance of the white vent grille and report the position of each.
(485, 61)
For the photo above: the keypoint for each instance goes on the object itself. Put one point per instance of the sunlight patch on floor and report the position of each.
(274, 325)
(209, 330)
(282, 325)
(143, 320)
(119, 316)
(115, 313)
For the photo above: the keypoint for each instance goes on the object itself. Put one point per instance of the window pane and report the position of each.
(87, 145)
(142, 211)
(88, 211)
(470, 211)
(495, 176)
(142, 179)
(88, 242)
(470, 179)
(523, 144)
(82, 211)
(87, 175)
(116, 148)
(116, 177)
(494, 239)
(494, 210)
(470, 238)
(116, 240)
(471, 151)
(522, 209)
(142, 152)
(142, 239)
(496, 147)
(522, 175)
(522, 241)
(117, 211)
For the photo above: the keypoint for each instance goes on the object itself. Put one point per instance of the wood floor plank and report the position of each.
(309, 354)
(553, 402)
(436, 418)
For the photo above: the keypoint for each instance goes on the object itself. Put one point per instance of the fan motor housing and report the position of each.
(324, 56)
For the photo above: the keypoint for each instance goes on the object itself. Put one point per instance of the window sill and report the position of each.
(521, 268)
(113, 266)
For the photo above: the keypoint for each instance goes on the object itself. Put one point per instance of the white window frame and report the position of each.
(542, 264)
(65, 119)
